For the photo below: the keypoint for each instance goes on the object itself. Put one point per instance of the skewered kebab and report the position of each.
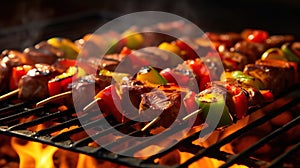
(255, 97)
(42, 53)
(166, 99)
(163, 46)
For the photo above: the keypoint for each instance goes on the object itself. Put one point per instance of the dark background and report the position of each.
(23, 23)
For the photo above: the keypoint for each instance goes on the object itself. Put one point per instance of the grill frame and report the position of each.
(62, 141)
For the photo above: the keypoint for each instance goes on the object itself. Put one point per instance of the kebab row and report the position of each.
(14, 64)
(257, 84)
(162, 95)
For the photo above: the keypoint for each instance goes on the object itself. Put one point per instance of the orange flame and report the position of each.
(34, 154)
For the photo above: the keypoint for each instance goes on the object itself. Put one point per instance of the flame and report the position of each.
(34, 154)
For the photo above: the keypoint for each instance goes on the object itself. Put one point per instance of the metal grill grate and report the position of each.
(10, 116)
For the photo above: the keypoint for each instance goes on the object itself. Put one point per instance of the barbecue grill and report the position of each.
(12, 113)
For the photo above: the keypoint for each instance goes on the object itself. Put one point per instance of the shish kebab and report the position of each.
(200, 99)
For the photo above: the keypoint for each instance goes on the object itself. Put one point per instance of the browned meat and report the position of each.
(275, 75)
(34, 85)
(255, 98)
(131, 92)
(42, 53)
(84, 90)
(108, 62)
(234, 60)
(252, 51)
(278, 40)
(160, 103)
(5, 72)
(9, 59)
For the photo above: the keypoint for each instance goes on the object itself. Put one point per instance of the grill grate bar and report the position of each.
(238, 133)
(14, 117)
(156, 139)
(13, 107)
(283, 156)
(221, 155)
(184, 141)
(57, 127)
(66, 124)
(89, 139)
(261, 142)
(120, 140)
(64, 136)
(37, 121)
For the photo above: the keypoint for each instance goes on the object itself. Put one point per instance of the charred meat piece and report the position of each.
(41, 54)
(9, 59)
(108, 62)
(233, 60)
(34, 85)
(252, 51)
(111, 61)
(85, 88)
(160, 103)
(278, 40)
(274, 74)
(254, 96)
(228, 39)
(131, 92)
(5, 72)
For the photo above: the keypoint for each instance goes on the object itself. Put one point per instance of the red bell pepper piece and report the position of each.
(258, 36)
(200, 71)
(189, 52)
(191, 106)
(125, 51)
(110, 103)
(16, 75)
(175, 77)
(60, 83)
(267, 95)
(240, 100)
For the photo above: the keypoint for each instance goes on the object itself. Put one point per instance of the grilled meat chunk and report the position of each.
(252, 51)
(160, 103)
(131, 92)
(85, 88)
(275, 75)
(9, 59)
(34, 85)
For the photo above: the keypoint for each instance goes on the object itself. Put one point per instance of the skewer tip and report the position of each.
(53, 98)
(151, 123)
(91, 104)
(192, 114)
(9, 94)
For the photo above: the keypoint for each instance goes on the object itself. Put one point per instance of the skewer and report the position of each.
(155, 120)
(9, 94)
(92, 104)
(191, 114)
(53, 98)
